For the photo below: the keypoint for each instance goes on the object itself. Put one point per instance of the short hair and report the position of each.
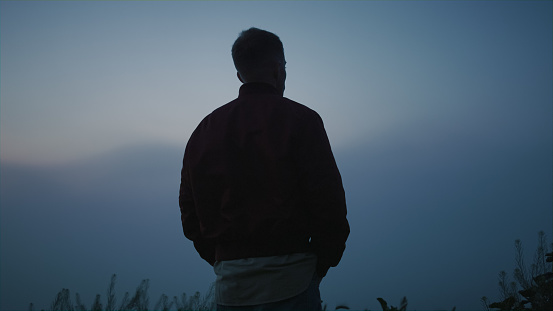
(255, 51)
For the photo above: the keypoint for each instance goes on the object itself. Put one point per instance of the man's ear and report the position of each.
(239, 77)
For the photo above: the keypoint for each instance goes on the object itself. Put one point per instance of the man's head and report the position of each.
(258, 56)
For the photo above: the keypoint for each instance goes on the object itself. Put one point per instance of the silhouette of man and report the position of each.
(261, 196)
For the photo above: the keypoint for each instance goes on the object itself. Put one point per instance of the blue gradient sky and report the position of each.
(439, 114)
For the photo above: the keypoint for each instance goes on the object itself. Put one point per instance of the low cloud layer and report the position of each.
(432, 219)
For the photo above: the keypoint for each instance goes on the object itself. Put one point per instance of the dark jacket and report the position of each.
(259, 179)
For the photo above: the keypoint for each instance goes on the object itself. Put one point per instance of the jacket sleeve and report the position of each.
(324, 196)
(190, 222)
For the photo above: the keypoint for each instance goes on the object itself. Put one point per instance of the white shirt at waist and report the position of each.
(259, 280)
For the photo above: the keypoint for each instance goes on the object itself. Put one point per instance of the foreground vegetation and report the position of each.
(139, 301)
(532, 289)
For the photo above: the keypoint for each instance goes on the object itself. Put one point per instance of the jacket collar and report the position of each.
(257, 88)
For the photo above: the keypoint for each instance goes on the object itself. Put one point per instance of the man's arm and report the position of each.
(189, 219)
(324, 195)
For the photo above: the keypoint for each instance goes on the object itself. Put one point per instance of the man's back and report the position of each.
(256, 166)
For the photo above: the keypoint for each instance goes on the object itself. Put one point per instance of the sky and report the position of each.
(439, 113)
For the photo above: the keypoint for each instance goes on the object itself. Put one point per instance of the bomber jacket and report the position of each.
(259, 179)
